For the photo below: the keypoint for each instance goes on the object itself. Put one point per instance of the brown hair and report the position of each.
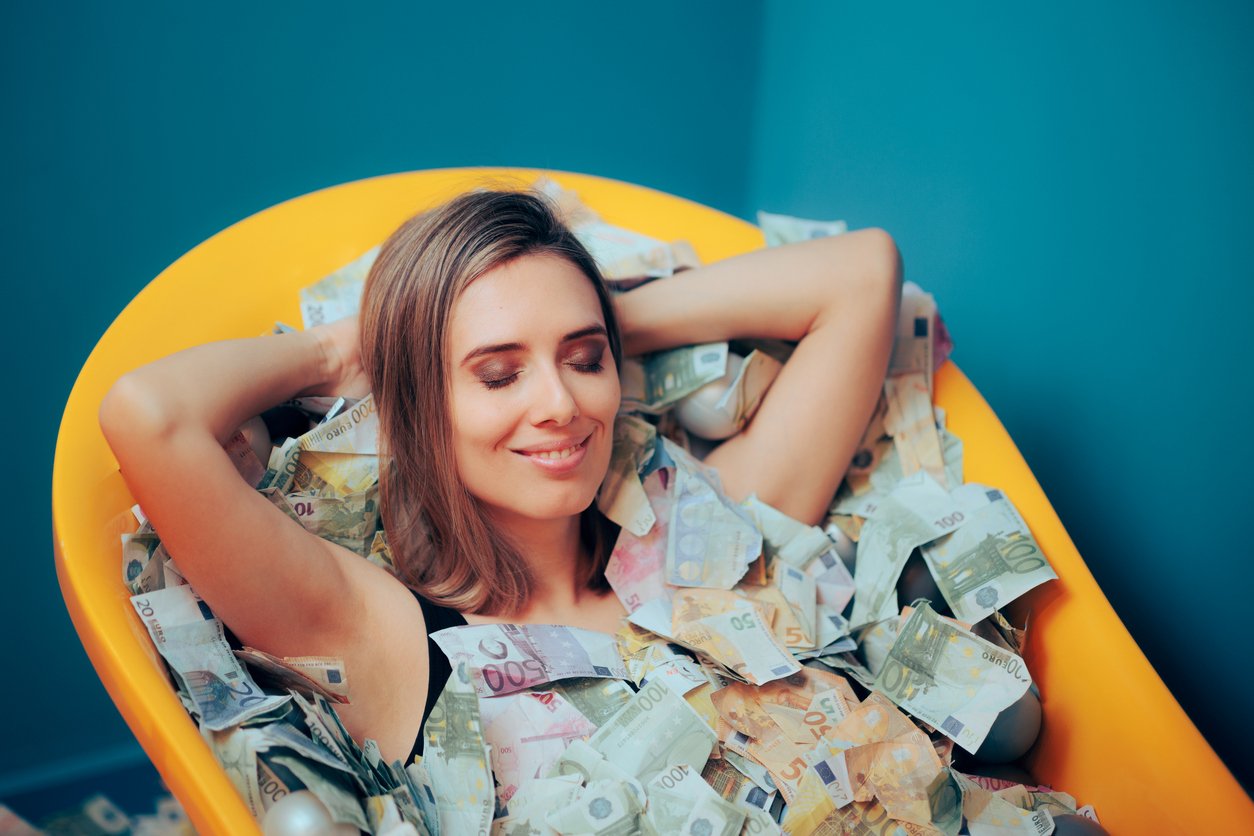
(443, 542)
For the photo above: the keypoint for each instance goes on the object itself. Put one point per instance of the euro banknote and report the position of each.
(950, 678)
(191, 639)
(503, 658)
(989, 562)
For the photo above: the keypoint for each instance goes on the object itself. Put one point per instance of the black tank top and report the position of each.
(437, 619)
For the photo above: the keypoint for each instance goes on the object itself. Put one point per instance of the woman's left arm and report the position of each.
(838, 298)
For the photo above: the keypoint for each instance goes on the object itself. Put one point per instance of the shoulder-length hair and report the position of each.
(444, 544)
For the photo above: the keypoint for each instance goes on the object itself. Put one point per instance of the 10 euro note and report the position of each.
(191, 639)
(504, 658)
(950, 678)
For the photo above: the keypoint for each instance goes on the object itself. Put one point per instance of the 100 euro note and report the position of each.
(191, 639)
(989, 562)
(655, 729)
(656, 381)
(916, 512)
(455, 756)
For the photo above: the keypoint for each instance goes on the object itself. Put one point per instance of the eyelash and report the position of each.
(584, 368)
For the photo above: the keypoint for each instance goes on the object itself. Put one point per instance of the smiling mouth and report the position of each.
(554, 455)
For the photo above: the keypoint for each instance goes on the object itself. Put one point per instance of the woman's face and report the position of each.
(534, 389)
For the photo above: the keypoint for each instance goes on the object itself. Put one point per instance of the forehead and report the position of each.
(530, 299)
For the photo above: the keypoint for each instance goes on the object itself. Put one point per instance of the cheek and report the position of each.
(479, 421)
(603, 396)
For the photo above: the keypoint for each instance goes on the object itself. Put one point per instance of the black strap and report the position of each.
(437, 619)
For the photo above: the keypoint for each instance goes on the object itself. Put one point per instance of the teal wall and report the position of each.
(1071, 183)
(1073, 180)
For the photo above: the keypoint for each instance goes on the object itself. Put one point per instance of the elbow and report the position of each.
(131, 413)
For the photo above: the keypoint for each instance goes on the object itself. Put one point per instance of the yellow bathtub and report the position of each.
(1113, 735)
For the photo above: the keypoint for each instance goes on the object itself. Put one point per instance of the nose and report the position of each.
(551, 398)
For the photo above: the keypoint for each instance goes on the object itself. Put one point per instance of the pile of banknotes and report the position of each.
(98, 816)
(768, 678)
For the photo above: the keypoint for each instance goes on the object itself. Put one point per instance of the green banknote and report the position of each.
(949, 677)
(989, 562)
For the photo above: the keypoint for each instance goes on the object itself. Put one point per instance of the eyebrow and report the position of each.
(590, 331)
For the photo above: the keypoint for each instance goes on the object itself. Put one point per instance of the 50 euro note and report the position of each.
(912, 424)
(916, 512)
(741, 642)
(950, 678)
(504, 658)
(989, 562)
(191, 639)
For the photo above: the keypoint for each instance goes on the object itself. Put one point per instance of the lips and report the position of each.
(557, 457)
(556, 449)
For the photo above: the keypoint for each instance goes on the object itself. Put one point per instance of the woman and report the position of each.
(492, 348)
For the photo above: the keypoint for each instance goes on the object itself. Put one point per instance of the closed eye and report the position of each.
(501, 383)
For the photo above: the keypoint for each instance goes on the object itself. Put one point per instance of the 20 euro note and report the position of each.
(504, 658)
(950, 678)
(190, 637)
(989, 562)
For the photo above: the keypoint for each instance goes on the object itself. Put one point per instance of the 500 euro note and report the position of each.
(504, 658)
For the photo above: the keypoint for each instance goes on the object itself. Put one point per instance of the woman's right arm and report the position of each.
(268, 578)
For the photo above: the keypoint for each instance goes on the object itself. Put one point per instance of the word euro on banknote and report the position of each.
(504, 658)
(191, 639)
(949, 677)
(355, 430)
(917, 511)
(989, 562)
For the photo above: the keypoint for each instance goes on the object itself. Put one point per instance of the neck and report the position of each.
(554, 550)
